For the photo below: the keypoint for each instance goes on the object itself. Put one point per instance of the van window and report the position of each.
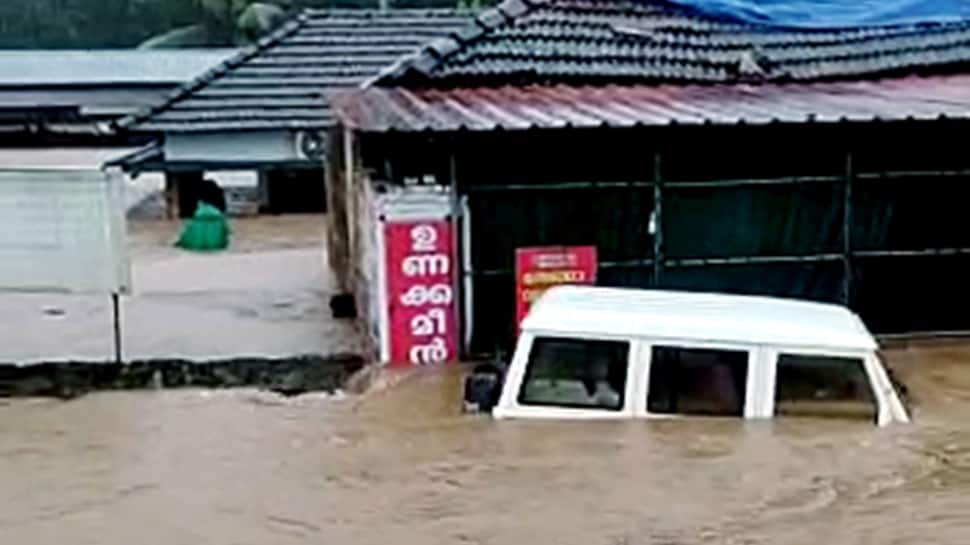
(823, 386)
(697, 381)
(575, 373)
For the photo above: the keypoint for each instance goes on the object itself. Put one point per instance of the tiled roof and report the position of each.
(379, 109)
(281, 83)
(651, 41)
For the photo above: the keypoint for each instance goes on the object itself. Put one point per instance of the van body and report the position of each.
(604, 353)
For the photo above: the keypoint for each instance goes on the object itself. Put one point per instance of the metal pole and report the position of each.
(658, 235)
(116, 312)
(468, 276)
(847, 232)
(456, 249)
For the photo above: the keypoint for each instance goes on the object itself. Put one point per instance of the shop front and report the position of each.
(863, 214)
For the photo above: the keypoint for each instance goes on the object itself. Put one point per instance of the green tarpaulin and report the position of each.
(207, 231)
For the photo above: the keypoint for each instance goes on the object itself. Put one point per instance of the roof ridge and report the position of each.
(284, 30)
(379, 11)
(463, 55)
(432, 54)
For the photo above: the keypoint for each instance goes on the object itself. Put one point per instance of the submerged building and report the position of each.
(693, 152)
(264, 113)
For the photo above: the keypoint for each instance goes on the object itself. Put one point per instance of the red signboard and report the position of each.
(420, 283)
(538, 269)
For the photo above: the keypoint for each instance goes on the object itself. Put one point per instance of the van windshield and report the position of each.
(579, 373)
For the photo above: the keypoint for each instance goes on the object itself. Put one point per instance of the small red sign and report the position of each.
(421, 302)
(538, 269)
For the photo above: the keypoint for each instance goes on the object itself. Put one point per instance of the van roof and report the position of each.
(712, 317)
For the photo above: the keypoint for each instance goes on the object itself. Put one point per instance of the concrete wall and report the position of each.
(366, 267)
(246, 146)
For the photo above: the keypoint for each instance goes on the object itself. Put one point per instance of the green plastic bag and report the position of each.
(207, 231)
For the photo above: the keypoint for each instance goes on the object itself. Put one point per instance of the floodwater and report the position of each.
(401, 465)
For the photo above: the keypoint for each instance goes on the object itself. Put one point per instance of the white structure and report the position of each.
(417, 206)
(614, 353)
(63, 230)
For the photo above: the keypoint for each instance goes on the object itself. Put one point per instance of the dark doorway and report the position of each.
(299, 191)
(184, 189)
(190, 188)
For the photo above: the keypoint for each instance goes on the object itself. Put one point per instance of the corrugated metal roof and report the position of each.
(482, 108)
(654, 41)
(281, 83)
(23, 68)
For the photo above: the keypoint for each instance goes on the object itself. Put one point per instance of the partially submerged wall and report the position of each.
(287, 376)
(365, 264)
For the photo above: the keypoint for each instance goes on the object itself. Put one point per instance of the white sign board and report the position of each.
(63, 230)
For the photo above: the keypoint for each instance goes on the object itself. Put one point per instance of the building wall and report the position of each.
(231, 147)
(366, 276)
(353, 221)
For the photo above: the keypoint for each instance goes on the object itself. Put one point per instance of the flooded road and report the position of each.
(401, 466)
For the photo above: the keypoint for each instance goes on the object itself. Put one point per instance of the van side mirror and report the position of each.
(483, 387)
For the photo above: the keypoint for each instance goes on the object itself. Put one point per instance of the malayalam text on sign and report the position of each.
(420, 285)
(540, 268)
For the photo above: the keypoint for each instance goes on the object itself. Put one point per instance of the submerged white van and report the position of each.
(595, 353)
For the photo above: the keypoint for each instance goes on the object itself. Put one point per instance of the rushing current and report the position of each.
(401, 465)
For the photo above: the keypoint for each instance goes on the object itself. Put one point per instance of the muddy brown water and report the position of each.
(401, 465)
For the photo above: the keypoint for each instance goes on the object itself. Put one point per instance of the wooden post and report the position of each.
(658, 237)
(349, 174)
(847, 232)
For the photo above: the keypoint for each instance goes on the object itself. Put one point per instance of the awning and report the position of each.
(137, 159)
(560, 106)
